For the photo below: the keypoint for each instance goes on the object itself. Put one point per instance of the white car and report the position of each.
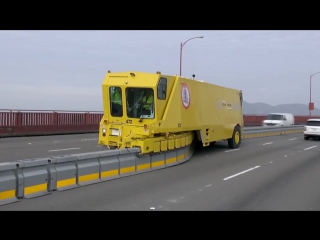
(279, 119)
(312, 129)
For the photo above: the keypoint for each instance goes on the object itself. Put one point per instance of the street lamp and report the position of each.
(181, 46)
(311, 106)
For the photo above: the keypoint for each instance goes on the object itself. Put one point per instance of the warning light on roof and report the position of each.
(158, 72)
(132, 74)
(109, 71)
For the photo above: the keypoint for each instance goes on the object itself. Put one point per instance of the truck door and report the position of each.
(284, 120)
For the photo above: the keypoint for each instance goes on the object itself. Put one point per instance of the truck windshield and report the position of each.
(274, 117)
(140, 102)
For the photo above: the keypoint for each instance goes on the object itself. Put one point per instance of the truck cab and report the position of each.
(133, 103)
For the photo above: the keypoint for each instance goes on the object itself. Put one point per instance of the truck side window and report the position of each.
(115, 94)
(162, 88)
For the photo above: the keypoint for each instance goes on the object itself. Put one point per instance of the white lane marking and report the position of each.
(267, 143)
(241, 173)
(233, 150)
(292, 139)
(89, 139)
(310, 147)
(57, 150)
(209, 185)
(55, 141)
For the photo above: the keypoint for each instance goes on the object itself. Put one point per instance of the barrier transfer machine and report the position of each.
(158, 113)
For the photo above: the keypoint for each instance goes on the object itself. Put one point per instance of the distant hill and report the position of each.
(264, 108)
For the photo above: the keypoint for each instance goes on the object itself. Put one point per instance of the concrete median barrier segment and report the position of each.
(8, 183)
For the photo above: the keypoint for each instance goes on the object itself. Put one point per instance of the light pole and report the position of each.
(310, 105)
(181, 46)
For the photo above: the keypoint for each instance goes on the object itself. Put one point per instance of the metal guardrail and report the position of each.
(271, 128)
(17, 122)
(254, 132)
(37, 177)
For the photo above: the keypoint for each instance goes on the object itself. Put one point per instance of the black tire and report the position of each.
(306, 138)
(235, 141)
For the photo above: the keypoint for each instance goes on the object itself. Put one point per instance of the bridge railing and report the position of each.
(46, 122)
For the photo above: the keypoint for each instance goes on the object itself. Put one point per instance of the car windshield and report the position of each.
(313, 123)
(140, 102)
(274, 117)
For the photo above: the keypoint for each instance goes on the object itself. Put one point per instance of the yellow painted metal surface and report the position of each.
(88, 177)
(35, 188)
(109, 173)
(66, 182)
(183, 110)
(7, 194)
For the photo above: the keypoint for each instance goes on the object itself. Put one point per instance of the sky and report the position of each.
(64, 70)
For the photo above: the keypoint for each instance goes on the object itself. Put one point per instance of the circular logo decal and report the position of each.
(185, 96)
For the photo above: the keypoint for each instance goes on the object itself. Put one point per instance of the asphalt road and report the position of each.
(271, 173)
(20, 148)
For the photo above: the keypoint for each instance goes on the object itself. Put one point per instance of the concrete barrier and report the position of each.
(52, 175)
(158, 160)
(109, 165)
(171, 158)
(33, 177)
(189, 151)
(181, 154)
(65, 172)
(8, 182)
(88, 167)
(127, 160)
(143, 163)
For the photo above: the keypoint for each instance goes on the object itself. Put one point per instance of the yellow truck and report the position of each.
(158, 113)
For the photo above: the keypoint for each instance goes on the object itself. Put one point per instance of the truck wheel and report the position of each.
(235, 141)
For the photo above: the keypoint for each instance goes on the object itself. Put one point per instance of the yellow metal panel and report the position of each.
(143, 166)
(189, 140)
(157, 164)
(171, 144)
(183, 142)
(180, 157)
(7, 194)
(35, 188)
(109, 173)
(127, 169)
(164, 145)
(171, 160)
(88, 177)
(66, 182)
(156, 147)
(177, 142)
